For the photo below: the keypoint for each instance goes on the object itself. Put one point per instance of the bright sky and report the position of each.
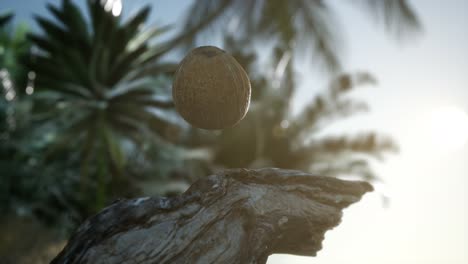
(427, 221)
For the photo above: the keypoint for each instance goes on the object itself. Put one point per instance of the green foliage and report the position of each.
(28, 185)
(300, 25)
(13, 48)
(100, 123)
(101, 82)
(270, 135)
(265, 139)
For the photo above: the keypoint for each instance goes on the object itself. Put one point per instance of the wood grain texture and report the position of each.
(211, 90)
(235, 216)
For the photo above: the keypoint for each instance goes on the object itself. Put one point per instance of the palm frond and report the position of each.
(398, 17)
(5, 18)
(369, 144)
(332, 104)
(72, 19)
(318, 27)
(101, 76)
(310, 25)
(345, 168)
(346, 82)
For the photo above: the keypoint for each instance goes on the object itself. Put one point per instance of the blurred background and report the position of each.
(366, 89)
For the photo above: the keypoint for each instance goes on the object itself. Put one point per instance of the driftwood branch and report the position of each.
(235, 216)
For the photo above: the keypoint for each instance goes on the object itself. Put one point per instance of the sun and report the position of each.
(446, 129)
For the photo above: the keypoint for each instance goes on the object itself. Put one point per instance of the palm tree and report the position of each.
(27, 186)
(294, 28)
(100, 79)
(297, 25)
(270, 136)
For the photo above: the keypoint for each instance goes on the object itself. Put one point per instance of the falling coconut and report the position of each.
(210, 89)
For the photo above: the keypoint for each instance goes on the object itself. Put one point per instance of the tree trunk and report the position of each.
(234, 216)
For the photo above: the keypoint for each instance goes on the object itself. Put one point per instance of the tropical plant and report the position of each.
(299, 26)
(101, 81)
(271, 136)
(28, 185)
(292, 28)
(13, 46)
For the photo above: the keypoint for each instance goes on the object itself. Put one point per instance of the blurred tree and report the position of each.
(296, 25)
(13, 47)
(28, 185)
(270, 135)
(102, 88)
(101, 82)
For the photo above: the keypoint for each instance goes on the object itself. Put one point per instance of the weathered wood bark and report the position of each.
(235, 216)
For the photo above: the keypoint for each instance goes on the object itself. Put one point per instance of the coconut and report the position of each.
(211, 90)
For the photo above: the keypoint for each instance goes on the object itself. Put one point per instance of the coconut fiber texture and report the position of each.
(211, 90)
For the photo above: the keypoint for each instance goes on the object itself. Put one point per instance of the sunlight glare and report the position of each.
(114, 6)
(447, 129)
